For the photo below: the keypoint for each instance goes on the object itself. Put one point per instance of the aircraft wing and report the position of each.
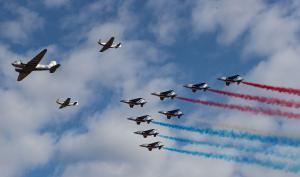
(108, 44)
(104, 48)
(67, 101)
(22, 75)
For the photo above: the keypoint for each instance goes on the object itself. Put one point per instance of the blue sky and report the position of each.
(165, 44)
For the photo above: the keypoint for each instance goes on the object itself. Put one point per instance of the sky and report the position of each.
(165, 44)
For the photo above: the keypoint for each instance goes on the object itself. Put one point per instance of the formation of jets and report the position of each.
(24, 69)
(171, 113)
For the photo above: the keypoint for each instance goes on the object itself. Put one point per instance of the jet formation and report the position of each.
(202, 86)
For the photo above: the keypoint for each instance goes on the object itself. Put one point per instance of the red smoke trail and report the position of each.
(262, 99)
(278, 89)
(256, 110)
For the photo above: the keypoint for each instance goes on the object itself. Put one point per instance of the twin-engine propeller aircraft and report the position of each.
(109, 44)
(66, 103)
(140, 119)
(24, 69)
(231, 79)
(146, 133)
(173, 113)
(194, 87)
(166, 94)
(134, 102)
(154, 145)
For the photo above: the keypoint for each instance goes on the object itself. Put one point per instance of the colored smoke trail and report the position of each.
(243, 108)
(240, 147)
(240, 159)
(262, 99)
(274, 88)
(276, 140)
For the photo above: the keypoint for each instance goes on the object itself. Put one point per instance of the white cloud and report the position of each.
(19, 29)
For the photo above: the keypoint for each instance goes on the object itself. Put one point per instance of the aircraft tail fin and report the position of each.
(118, 45)
(75, 103)
(53, 66)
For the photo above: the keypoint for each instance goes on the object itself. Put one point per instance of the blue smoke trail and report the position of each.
(240, 147)
(235, 134)
(240, 159)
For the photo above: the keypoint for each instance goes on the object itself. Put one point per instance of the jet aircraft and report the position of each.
(24, 69)
(146, 133)
(166, 94)
(140, 119)
(154, 145)
(172, 113)
(231, 79)
(194, 87)
(134, 102)
(66, 103)
(109, 44)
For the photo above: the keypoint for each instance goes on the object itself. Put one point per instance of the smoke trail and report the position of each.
(235, 134)
(240, 159)
(240, 147)
(256, 110)
(262, 99)
(274, 88)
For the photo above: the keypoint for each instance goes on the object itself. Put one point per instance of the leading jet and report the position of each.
(109, 44)
(231, 79)
(166, 94)
(173, 113)
(24, 69)
(140, 119)
(154, 145)
(134, 102)
(194, 87)
(146, 133)
(66, 103)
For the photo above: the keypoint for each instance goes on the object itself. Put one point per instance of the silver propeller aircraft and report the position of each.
(172, 113)
(66, 103)
(24, 69)
(166, 94)
(134, 102)
(231, 79)
(140, 119)
(194, 87)
(109, 44)
(154, 145)
(146, 133)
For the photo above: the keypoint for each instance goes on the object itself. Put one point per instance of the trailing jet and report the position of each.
(133, 102)
(146, 133)
(66, 103)
(140, 119)
(231, 79)
(154, 145)
(166, 94)
(109, 44)
(172, 113)
(194, 87)
(24, 69)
